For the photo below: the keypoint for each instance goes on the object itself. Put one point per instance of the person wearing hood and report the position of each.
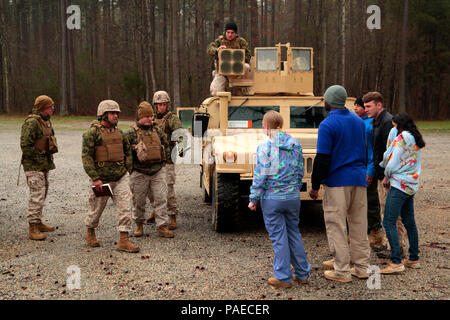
(276, 183)
(150, 150)
(38, 144)
(340, 165)
(231, 40)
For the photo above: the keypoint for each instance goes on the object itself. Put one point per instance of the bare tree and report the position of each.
(175, 61)
(402, 83)
(63, 107)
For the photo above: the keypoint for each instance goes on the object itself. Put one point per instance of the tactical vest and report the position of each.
(112, 148)
(154, 150)
(233, 44)
(46, 143)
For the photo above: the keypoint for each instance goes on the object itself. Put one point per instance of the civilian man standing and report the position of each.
(374, 227)
(340, 165)
(382, 125)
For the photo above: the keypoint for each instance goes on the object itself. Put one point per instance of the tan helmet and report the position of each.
(107, 105)
(161, 97)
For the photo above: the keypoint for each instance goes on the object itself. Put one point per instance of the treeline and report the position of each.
(127, 49)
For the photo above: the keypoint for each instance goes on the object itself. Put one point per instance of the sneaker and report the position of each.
(393, 268)
(411, 264)
(331, 275)
(329, 264)
(274, 282)
(360, 276)
(294, 278)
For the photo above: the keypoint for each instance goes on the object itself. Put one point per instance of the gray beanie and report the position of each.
(336, 96)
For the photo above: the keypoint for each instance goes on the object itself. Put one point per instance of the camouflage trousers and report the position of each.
(38, 184)
(219, 83)
(154, 187)
(402, 235)
(171, 198)
(122, 201)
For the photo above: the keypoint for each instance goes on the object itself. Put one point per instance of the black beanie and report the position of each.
(360, 101)
(231, 25)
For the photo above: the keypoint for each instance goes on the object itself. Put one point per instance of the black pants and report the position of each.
(373, 207)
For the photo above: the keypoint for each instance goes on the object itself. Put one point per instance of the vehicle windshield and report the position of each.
(301, 60)
(248, 117)
(307, 117)
(186, 117)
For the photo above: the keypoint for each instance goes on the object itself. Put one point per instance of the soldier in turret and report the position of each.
(106, 156)
(231, 40)
(38, 144)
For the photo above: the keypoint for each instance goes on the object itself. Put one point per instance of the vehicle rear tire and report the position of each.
(225, 201)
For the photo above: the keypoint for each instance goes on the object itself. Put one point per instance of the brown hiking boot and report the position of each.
(125, 245)
(45, 228)
(328, 265)
(151, 219)
(139, 232)
(164, 232)
(300, 281)
(331, 275)
(34, 233)
(375, 237)
(172, 222)
(91, 239)
(274, 282)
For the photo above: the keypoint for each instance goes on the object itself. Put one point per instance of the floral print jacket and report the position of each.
(402, 161)
(279, 169)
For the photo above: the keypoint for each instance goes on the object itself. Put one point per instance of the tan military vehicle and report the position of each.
(230, 126)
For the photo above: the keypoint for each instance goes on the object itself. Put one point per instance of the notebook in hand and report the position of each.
(106, 191)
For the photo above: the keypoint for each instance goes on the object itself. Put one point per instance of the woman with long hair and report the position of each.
(402, 170)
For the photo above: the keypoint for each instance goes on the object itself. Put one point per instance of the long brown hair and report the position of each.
(406, 123)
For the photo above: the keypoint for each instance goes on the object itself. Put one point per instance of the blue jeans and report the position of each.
(281, 218)
(400, 202)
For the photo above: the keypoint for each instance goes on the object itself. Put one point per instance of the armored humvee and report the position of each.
(230, 126)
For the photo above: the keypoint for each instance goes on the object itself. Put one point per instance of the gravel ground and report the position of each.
(198, 263)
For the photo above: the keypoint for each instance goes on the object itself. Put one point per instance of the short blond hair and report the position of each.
(273, 119)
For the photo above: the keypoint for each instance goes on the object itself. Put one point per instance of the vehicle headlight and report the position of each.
(229, 157)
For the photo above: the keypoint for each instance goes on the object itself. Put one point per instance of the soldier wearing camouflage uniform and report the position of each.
(38, 144)
(149, 143)
(106, 156)
(231, 40)
(168, 122)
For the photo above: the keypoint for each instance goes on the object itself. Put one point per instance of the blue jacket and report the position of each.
(369, 129)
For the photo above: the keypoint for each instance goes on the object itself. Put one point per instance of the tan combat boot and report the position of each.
(34, 233)
(172, 222)
(139, 232)
(91, 239)
(125, 245)
(151, 219)
(164, 231)
(45, 228)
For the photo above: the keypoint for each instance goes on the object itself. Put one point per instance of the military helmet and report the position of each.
(161, 97)
(107, 105)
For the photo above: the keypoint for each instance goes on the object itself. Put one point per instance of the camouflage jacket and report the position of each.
(172, 123)
(33, 159)
(237, 43)
(105, 171)
(148, 169)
